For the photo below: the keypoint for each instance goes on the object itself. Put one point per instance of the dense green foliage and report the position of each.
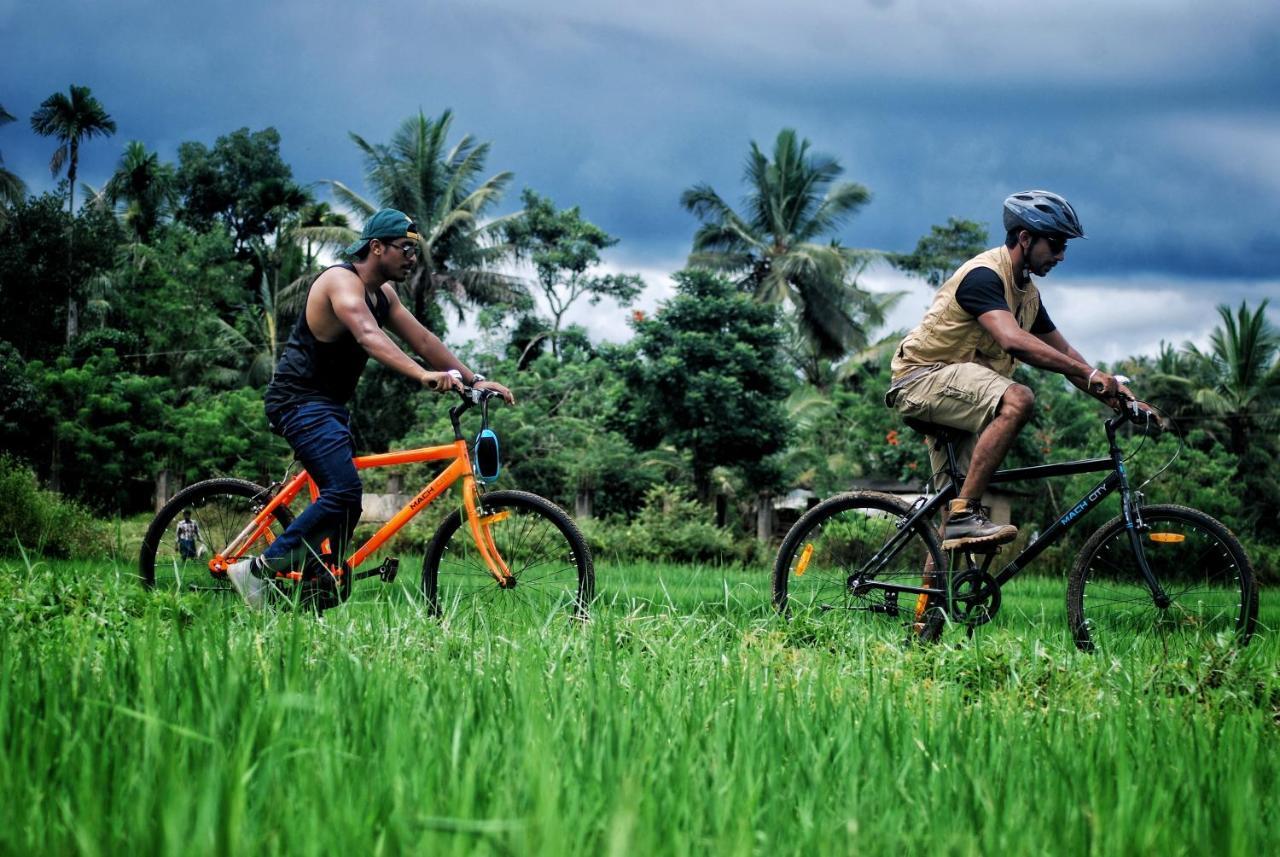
(183, 280)
(564, 249)
(781, 244)
(41, 522)
(703, 377)
(684, 719)
(943, 250)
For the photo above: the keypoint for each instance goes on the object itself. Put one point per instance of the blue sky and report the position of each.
(1159, 120)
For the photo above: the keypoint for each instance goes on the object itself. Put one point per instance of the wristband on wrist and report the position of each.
(476, 377)
(1089, 383)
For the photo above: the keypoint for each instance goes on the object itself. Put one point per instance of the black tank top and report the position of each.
(313, 371)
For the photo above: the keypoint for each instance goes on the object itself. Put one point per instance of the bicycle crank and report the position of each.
(975, 598)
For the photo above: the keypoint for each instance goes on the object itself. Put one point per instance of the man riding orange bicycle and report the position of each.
(340, 327)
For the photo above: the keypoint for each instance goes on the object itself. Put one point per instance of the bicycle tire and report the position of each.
(1197, 560)
(830, 545)
(547, 555)
(221, 507)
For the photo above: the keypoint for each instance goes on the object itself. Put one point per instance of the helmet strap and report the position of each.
(1021, 276)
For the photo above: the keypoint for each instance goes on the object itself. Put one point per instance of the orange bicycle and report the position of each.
(514, 545)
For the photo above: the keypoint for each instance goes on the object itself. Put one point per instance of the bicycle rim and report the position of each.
(834, 557)
(547, 556)
(221, 509)
(1198, 562)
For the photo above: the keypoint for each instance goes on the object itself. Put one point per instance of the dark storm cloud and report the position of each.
(1160, 121)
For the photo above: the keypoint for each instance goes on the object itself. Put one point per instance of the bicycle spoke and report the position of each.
(548, 566)
(1201, 570)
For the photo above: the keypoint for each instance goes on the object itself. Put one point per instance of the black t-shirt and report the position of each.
(313, 371)
(981, 291)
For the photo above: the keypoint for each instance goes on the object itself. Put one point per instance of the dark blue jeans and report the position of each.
(320, 434)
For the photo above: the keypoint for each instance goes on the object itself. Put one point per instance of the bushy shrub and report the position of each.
(670, 527)
(42, 521)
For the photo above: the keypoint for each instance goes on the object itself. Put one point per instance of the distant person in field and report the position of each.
(340, 328)
(955, 368)
(188, 535)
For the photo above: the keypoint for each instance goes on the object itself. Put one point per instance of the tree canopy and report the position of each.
(780, 246)
(564, 248)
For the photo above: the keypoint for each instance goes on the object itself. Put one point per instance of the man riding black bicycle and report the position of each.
(955, 368)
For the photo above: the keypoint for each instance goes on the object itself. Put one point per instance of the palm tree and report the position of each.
(314, 221)
(776, 247)
(440, 188)
(146, 186)
(246, 349)
(12, 188)
(1244, 382)
(71, 119)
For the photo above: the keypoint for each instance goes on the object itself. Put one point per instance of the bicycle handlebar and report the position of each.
(1147, 423)
(472, 395)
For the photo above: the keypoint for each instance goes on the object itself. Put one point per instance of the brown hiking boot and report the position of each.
(967, 527)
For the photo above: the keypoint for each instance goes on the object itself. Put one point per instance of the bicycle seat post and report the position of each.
(953, 469)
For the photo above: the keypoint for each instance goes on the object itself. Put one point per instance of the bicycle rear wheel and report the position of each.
(539, 543)
(1197, 560)
(832, 558)
(221, 508)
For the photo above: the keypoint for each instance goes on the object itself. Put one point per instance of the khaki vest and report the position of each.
(948, 334)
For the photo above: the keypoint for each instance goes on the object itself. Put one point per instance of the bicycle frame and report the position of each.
(1117, 478)
(459, 468)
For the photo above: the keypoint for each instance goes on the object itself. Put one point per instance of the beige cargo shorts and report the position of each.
(960, 395)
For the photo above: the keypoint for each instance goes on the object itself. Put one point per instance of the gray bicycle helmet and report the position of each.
(1043, 213)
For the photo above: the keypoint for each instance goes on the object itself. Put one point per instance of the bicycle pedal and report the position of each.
(389, 569)
(982, 550)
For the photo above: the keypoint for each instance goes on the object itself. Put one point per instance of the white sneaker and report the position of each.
(252, 589)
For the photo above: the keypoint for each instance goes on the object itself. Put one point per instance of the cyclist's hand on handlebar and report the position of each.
(442, 381)
(497, 388)
(1104, 386)
(1124, 397)
(1145, 418)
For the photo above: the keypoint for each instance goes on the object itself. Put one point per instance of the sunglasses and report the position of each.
(1056, 244)
(409, 250)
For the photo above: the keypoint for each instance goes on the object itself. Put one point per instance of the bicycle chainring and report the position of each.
(975, 598)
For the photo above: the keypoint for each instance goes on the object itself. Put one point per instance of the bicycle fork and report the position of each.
(481, 527)
(1135, 528)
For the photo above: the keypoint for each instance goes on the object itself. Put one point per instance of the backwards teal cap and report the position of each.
(387, 223)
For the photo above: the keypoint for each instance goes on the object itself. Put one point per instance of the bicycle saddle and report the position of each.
(941, 432)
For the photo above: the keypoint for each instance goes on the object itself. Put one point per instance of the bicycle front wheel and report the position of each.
(837, 556)
(220, 509)
(1198, 562)
(544, 550)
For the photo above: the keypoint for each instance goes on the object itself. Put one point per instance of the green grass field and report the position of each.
(685, 719)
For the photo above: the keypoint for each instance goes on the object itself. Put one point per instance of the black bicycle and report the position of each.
(1152, 571)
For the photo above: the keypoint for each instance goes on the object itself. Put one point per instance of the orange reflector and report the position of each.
(1167, 538)
(495, 517)
(805, 556)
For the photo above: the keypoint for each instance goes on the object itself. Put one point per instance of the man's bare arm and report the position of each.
(423, 342)
(347, 300)
(1055, 339)
(429, 347)
(1046, 354)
